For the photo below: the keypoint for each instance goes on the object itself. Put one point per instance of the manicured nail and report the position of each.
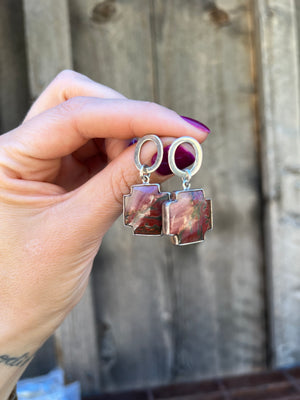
(183, 159)
(196, 124)
(132, 141)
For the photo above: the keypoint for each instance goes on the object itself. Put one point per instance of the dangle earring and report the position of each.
(188, 215)
(142, 208)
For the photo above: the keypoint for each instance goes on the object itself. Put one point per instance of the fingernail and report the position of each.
(183, 159)
(132, 141)
(196, 124)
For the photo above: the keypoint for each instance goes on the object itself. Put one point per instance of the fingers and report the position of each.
(66, 85)
(69, 84)
(101, 198)
(63, 129)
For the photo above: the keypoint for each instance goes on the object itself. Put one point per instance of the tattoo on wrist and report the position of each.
(15, 361)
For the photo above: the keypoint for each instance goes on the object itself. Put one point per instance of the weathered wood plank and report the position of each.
(49, 52)
(112, 44)
(48, 41)
(77, 345)
(157, 320)
(278, 47)
(13, 71)
(204, 55)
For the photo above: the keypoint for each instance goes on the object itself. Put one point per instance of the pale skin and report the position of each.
(63, 174)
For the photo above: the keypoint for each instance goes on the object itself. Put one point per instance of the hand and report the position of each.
(63, 173)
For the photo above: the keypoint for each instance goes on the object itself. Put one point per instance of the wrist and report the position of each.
(27, 330)
(19, 341)
(15, 355)
(12, 367)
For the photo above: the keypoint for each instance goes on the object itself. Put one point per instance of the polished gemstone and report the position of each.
(187, 217)
(142, 209)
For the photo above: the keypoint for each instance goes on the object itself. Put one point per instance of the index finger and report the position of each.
(68, 84)
(63, 129)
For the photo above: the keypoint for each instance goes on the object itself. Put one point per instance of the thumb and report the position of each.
(101, 197)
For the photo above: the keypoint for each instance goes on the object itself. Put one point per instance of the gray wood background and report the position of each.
(154, 313)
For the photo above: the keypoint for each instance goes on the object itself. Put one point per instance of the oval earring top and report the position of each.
(142, 207)
(188, 215)
(145, 168)
(187, 172)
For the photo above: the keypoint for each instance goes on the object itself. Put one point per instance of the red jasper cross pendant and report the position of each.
(187, 217)
(143, 209)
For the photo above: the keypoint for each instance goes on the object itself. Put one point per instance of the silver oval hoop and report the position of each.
(145, 168)
(182, 173)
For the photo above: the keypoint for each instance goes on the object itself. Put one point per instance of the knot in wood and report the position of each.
(104, 11)
(218, 16)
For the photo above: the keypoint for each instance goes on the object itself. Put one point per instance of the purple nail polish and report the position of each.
(196, 124)
(132, 141)
(183, 159)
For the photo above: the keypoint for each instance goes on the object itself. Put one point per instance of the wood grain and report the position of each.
(48, 41)
(112, 44)
(166, 313)
(278, 51)
(204, 57)
(77, 345)
(13, 69)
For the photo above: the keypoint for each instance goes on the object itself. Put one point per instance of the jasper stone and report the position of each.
(142, 209)
(187, 217)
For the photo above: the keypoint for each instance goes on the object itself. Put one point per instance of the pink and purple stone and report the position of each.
(187, 217)
(143, 209)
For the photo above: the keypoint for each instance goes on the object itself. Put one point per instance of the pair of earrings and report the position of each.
(184, 215)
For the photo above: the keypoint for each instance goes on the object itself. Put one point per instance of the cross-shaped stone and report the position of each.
(143, 209)
(187, 216)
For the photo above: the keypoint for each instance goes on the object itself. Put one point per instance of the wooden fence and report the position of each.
(154, 313)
